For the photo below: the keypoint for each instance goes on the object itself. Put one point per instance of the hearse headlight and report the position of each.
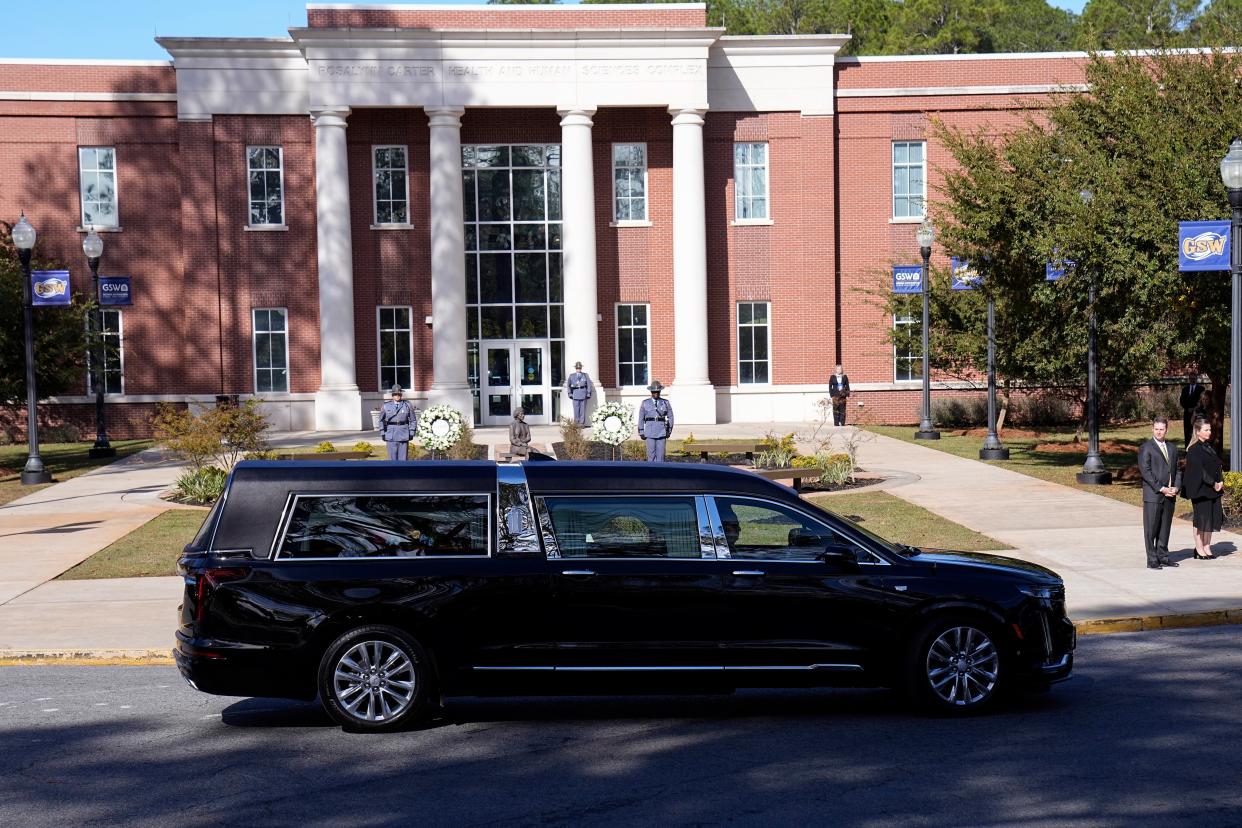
(1046, 592)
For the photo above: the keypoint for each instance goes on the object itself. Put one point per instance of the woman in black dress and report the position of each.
(1202, 482)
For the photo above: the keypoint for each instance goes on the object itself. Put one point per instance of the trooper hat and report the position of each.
(396, 389)
(577, 364)
(656, 386)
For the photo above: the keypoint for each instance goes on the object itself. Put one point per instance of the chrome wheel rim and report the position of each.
(962, 666)
(374, 681)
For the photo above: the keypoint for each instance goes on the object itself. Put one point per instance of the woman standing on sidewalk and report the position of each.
(1202, 483)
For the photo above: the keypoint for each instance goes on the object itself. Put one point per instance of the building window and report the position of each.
(633, 341)
(907, 347)
(271, 350)
(629, 182)
(265, 166)
(753, 341)
(750, 181)
(909, 181)
(97, 180)
(395, 348)
(113, 355)
(392, 189)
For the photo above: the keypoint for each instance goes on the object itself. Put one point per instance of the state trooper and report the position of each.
(397, 418)
(655, 422)
(579, 387)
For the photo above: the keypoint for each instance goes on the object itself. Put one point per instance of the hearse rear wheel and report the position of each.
(374, 679)
(955, 666)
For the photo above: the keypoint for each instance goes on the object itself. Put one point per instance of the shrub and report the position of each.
(325, 447)
(60, 433)
(463, 449)
(1231, 503)
(961, 412)
(1043, 409)
(805, 462)
(572, 442)
(633, 450)
(223, 435)
(203, 485)
(189, 437)
(776, 452)
(364, 447)
(265, 454)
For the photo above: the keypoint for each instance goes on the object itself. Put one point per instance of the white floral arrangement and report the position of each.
(612, 423)
(439, 427)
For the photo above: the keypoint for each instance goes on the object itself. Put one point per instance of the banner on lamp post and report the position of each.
(115, 290)
(963, 276)
(49, 287)
(1202, 245)
(1053, 273)
(907, 278)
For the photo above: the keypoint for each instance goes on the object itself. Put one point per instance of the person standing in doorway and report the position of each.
(396, 420)
(579, 387)
(1192, 391)
(839, 391)
(1204, 483)
(655, 422)
(1157, 463)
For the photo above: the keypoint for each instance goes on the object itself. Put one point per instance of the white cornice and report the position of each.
(8, 95)
(1024, 55)
(941, 91)
(79, 62)
(389, 38)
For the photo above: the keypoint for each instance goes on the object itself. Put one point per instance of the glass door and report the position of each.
(497, 384)
(534, 389)
(516, 374)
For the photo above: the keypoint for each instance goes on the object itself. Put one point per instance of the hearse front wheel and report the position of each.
(374, 678)
(955, 666)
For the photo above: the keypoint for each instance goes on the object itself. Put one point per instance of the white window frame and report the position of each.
(645, 221)
(911, 320)
(254, 348)
(380, 330)
(739, 324)
(116, 191)
(280, 171)
(766, 166)
(120, 355)
(375, 199)
(616, 315)
(922, 164)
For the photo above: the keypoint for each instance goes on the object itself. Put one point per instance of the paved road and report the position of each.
(1146, 734)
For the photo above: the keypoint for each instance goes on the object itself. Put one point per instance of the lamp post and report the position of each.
(992, 448)
(1231, 175)
(34, 473)
(926, 234)
(1093, 471)
(93, 247)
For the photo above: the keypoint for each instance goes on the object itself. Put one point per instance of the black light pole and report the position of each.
(93, 247)
(1231, 174)
(926, 234)
(1093, 471)
(992, 448)
(34, 473)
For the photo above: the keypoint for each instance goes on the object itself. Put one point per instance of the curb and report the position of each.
(1148, 623)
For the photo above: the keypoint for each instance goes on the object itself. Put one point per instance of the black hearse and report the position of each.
(381, 587)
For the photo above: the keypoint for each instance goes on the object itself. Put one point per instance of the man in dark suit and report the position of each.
(1157, 463)
(1192, 391)
(839, 391)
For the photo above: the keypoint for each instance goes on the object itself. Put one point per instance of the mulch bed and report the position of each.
(1007, 434)
(1106, 447)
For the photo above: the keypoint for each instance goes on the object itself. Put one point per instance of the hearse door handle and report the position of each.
(578, 572)
(749, 572)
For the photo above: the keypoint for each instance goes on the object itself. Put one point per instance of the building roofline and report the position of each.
(8, 61)
(1027, 55)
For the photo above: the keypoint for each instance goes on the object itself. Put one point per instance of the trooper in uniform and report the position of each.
(396, 419)
(519, 435)
(655, 422)
(579, 387)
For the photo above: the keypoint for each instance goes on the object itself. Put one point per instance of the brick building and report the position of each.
(467, 200)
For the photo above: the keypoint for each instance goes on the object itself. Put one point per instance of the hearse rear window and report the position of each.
(625, 527)
(386, 526)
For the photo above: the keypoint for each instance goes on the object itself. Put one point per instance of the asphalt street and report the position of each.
(1147, 733)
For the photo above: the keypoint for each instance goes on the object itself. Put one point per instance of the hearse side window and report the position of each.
(625, 527)
(386, 526)
(762, 530)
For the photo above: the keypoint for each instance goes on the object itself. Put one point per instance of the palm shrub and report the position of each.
(202, 485)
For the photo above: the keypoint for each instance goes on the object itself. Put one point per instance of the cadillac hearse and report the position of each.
(381, 588)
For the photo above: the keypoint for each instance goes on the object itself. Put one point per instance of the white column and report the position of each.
(578, 211)
(338, 405)
(448, 263)
(692, 395)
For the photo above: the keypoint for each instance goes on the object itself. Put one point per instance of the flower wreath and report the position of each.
(612, 423)
(439, 427)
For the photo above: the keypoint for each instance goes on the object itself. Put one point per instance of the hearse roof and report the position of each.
(577, 477)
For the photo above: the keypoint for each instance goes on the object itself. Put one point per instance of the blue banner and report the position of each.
(964, 277)
(49, 287)
(907, 278)
(115, 290)
(1203, 245)
(1053, 273)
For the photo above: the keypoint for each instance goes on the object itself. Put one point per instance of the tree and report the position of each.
(941, 27)
(1032, 26)
(1219, 24)
(1134, 24)
(60, 335)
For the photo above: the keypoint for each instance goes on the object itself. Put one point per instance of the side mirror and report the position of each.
(839, 555)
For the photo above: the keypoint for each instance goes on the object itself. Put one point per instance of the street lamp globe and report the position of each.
(1231, 166)
(23, 234)
(926, 234)
(92, 245)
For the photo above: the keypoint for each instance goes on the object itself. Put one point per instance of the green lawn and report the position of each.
(899, 521)
(63, 460)
(151, 549)
(1050, 454)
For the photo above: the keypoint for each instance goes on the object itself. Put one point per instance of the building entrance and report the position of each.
(516, 376)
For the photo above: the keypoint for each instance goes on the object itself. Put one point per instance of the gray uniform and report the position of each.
(397, 419)
(579, 387)
(655, 423)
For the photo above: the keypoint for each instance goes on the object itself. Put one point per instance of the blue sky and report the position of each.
(125, 29)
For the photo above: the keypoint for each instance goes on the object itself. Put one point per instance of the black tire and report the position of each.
(374, 679)
(956, 665)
